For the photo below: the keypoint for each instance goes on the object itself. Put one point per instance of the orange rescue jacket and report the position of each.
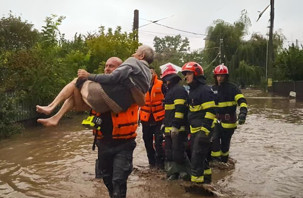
(153, 103)
(124, 124)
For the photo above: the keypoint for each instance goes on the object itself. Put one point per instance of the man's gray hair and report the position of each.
(148, 53)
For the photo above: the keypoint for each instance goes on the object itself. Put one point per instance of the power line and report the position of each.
(157, 33)
(156, 22)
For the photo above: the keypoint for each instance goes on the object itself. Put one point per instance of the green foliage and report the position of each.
(50, 31)
(289, 64)
(16, 34)
(171, 44)
(247, 74)
(226, 35)
(241, 56)
(107, 44)
(172, 49)
(8, 126)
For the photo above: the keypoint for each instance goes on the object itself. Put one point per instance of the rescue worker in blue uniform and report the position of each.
(201, 116)
(227, 97)
(176, 161)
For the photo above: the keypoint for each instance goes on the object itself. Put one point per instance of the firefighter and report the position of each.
(200, 117)
(227, 97)
(151, 117)
(111, 64)
(115, 138)
(176, 161)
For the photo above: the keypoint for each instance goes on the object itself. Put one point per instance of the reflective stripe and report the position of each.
(243, 104)
(227, 104)
(215, 153)
(179, 115)
(238, 96)
(202, 106)
(169, 106)
(207, 171)
(197, 179)
(229, 125)
(207, 105)
(195, 108)
(179, 101)
(225, 154)
(210, 115)
(205, 130)
(196, 129)
(168, 129)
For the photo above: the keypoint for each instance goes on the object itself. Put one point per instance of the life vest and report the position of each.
(153, 103)
(124, 124)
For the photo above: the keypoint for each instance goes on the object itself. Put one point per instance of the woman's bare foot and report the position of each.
(44, 109)
(48, 122)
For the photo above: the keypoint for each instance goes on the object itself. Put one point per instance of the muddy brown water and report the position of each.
(59, 162)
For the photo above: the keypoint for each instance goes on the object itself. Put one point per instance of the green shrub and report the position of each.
(8, 126)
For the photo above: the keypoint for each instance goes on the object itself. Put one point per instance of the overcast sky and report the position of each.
(188, 15)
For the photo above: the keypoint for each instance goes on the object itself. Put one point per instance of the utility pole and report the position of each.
(221, 51)
(136, 25)
(270, 45)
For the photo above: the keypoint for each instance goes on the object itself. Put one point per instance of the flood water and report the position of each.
(59, 162)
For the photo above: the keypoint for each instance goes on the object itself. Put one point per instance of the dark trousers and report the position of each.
(200, 147)
(155, 154)
(116, 164)
(175, 147)
(221, 141)
(176, 160)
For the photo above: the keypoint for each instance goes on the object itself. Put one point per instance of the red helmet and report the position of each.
(221, 69)
(192, 67)
(169, 73)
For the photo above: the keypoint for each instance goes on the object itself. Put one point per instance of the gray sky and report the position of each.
(189, 15)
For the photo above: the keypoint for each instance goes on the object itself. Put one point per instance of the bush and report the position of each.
(8, 127)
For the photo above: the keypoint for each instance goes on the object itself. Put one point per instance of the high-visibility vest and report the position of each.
(124, 124)
(153, 103)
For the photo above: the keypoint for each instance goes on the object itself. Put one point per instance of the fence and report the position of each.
(24, 111)
(283, 88)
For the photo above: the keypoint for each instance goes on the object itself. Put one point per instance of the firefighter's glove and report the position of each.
(174, 131)
(241, 118)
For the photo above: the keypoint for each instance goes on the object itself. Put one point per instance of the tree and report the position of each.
(16, 34)
(170, 49)
(289, 64)
(225, 38)
(247, 74)
(171, 44)
(50, 32)
(107, 44)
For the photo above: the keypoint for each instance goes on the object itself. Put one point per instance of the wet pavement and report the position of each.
(59, 162)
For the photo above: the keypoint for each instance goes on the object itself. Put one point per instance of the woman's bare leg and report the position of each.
(64, 94)
(68, 105)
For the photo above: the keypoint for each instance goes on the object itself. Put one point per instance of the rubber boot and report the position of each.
(224, 159)
(207, 179)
